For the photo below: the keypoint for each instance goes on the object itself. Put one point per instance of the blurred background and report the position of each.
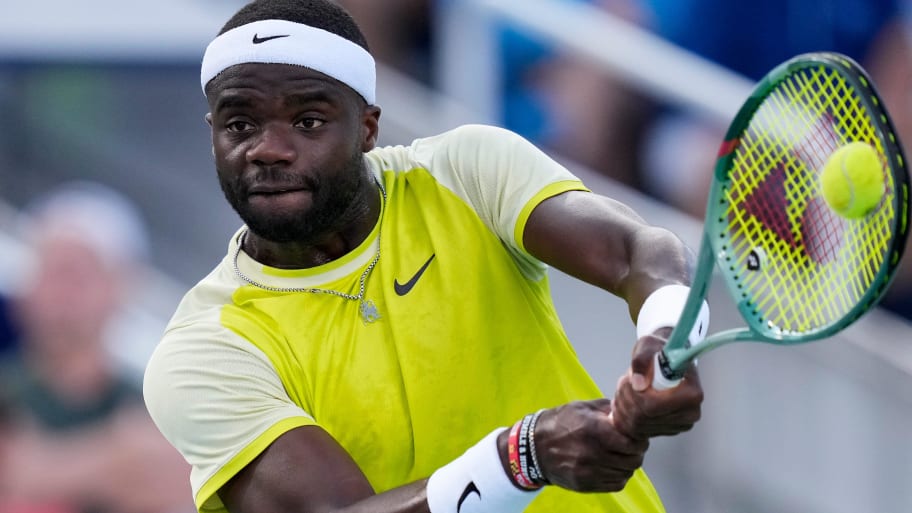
(110, 210)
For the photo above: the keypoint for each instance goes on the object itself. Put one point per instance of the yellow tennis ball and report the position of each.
(852, 181)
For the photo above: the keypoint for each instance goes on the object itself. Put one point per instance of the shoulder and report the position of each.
(200, 364)
(469, 137)
(203, 302)
(478, 133)
(472, 151)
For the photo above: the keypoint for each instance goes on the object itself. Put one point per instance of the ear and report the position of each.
(370, 127)
(208, 118)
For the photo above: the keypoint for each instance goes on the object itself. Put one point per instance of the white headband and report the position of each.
(286, 42)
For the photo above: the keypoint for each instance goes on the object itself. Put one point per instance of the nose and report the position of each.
(273, 145)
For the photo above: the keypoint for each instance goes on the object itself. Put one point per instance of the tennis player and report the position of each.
(380, 335)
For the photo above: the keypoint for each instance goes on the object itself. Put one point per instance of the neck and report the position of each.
(358, 224)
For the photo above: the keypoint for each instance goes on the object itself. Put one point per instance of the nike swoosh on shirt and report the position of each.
(469, 489)
(257, 40)
(404, 288)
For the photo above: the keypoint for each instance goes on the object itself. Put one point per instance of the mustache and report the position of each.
(275, 177)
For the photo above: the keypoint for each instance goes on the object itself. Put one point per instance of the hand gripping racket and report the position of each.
(797, 271)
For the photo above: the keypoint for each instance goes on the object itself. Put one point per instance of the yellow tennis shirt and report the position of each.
(467, 337)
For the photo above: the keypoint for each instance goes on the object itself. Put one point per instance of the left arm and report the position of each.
(605, 243)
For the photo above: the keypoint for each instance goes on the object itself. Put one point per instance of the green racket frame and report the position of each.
(841, 78)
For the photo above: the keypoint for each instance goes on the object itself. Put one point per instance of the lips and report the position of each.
(269, 189)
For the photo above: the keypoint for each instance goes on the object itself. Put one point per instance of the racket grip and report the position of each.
(661, 381)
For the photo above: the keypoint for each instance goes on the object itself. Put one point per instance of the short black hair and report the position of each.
(322, 14)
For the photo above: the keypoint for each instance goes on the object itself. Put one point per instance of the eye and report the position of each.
(238, 126)
(310, 123)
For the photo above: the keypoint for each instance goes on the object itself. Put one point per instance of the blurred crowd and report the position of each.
(74, 436)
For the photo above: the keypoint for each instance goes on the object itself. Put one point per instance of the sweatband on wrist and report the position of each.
(527, 462)
(286, 42)
(476, 483)
(519, 455)
(518, 465)
(663, 308)
(537, 475)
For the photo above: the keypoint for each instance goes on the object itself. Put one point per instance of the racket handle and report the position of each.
(661, 381)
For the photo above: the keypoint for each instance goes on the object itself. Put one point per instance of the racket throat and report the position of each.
(665, 368)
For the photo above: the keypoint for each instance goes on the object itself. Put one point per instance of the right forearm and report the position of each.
(411, 498)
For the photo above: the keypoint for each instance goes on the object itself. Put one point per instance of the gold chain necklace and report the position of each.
(367, 308)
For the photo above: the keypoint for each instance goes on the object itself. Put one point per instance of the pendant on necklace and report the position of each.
(369, 312)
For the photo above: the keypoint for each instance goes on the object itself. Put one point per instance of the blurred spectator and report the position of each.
(398, 32)
(554, 99)
(8, 335)
(77, 438)
(571, 106)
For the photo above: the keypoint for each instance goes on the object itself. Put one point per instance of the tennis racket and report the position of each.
(797, 271)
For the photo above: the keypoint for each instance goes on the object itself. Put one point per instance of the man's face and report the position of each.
(71, 295)
(288, 144)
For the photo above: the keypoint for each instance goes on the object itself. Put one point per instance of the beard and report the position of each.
(335, 203)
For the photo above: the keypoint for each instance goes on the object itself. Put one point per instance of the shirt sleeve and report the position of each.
(500, 174)
(219, 401)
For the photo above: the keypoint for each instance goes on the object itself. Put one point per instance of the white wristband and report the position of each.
(476, 483)
(663, 308)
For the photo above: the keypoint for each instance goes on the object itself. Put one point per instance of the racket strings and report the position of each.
(770, 201)
(799, 265)
(822, 229)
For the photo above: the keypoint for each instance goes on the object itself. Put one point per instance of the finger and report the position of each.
(624, 464)
(656, 413)
(612, 484)
(691, 375)
(640, 380)
(595, 479)
(616, 467)
(602, 404)
(655, 419)
(613, 441)
(643, 352)
(624, 408)
(669, 430)
(641, 362)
